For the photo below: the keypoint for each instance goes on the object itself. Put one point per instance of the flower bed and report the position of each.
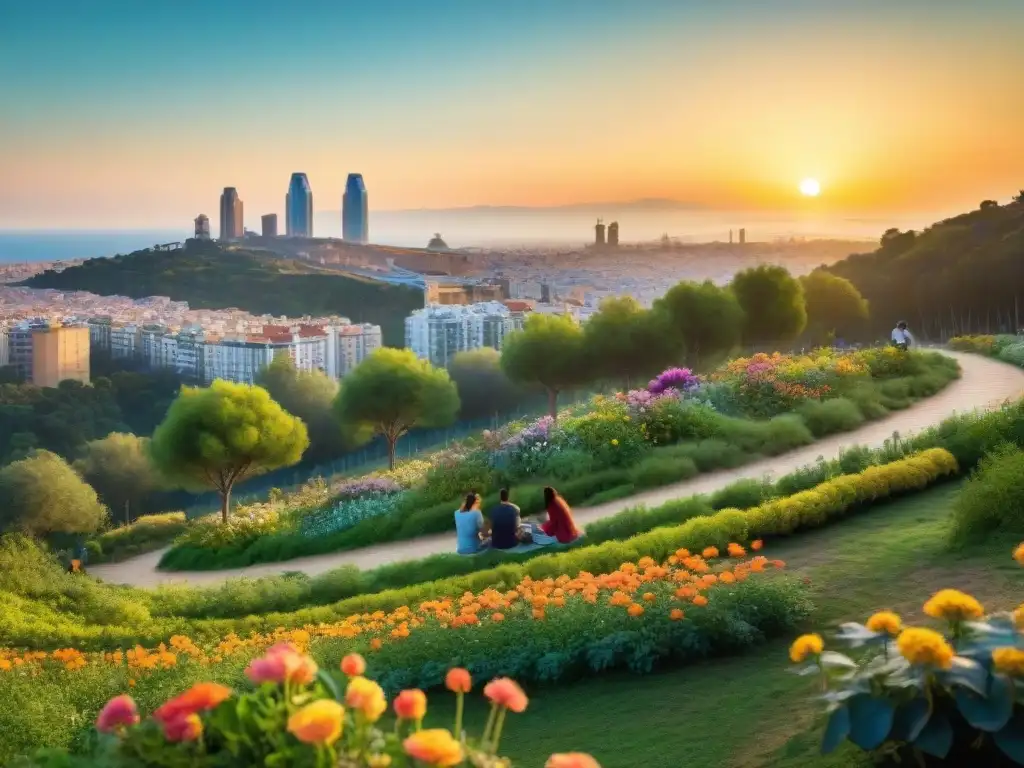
(924, 695)
(631, 616)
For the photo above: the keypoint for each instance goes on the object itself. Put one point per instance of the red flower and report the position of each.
(119, 712)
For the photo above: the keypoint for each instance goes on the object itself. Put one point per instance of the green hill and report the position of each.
(210, 277)
(960, 276)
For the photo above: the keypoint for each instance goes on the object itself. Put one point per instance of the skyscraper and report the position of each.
(269, 224)
(202, 231)
(231, 219)
(355, 225)
(298, 207)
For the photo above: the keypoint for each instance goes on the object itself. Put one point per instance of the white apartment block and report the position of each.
(5, 346)
(439, 332)
(348, 345)
(125, 342)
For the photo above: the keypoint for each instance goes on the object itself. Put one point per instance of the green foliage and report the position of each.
(773, 305)
(708, 319)
(980, 345)
(993, 499)
(210, 277)
(548, 352)
(147, 533)
(826, 417)
(391, 392)
(625, 342)
(656, 470)
(483, 387)
(742, 494)
(671, 420)
(308, 395)
(835, 308)
(609, 435)
(42, 495)
(218, 436)
(119, 468)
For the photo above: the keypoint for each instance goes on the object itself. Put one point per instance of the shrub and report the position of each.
(934, 696)
(145, 534)
(742, 494)
(635, 520)
(655, 471)
(1013, 353)
(982, 345)
(826, 417)
(855, 458)
(712, 454)
(993, 498)
(670, 420)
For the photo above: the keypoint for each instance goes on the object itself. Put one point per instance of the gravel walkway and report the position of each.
(985, 383)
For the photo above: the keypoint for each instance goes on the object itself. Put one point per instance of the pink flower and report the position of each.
(282, 663)
(119, 712)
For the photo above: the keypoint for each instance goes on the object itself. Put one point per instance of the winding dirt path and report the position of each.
(985, 383)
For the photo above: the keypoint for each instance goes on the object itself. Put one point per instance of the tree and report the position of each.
(624, 340)
(119, 468)
(708, 319)
(484, 389)
(773, 305)
(218, 436)
(391, 392)
(988, 204)
(549, 352)
(310, 396)
(834, 306)
(43, 495)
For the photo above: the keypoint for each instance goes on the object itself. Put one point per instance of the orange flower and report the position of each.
(458, 680)
(1018, 554)
(198, 698)
(635, 610)
(353, 665)
(319, 722)
(676, 614)
(119, 712)
(649, 597)
(282, 663)
(411, 705)
(435, 747)
(756, 545)
(506, 693)
(572, 760)
(367, 697)
(183, 728)
(709, 553)
(376, 643)
(700, 600)
(498, 616)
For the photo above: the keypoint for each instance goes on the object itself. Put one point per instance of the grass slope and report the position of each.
(750, 711)
(209, 277)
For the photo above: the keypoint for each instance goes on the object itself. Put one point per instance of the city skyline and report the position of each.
(891, 107)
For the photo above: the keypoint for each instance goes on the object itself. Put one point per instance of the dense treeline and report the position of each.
(208, 277)
(960, 276)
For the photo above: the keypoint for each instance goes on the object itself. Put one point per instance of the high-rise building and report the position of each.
(60, 353)
(355, 211)
(231, 218)
(613, 234)
(202, 231)
(298, 207)
(743, 236)
(438, 333)
(599, 233)
(269, 224)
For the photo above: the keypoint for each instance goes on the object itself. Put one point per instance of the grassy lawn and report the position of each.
(749, 711)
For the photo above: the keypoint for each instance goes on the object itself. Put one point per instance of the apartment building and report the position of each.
(46, 354)
(438, 333)
(348, 345)
(5, 347)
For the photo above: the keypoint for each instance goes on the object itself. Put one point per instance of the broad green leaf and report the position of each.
(936, 738)
(1011, 739)
(871, 720)
(836, 731)
(911, 718)
(837, 660)
(965, 673)
(987, 713)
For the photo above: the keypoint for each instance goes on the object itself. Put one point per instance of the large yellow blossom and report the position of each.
(804, 646)
(926, 647)
(1009, 661)
(953, 605)
(885, 621)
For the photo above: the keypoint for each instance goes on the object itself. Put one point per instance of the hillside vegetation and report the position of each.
(960, 276)
(209, 277)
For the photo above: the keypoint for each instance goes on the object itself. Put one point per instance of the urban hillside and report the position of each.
(959, 276)
(210, 277)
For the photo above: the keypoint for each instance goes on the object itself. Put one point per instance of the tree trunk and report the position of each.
(553, 403)
(225, 504)
(127, 512)
(392, 442)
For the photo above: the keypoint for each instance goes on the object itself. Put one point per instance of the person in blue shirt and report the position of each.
(507, 529)
(470, 527)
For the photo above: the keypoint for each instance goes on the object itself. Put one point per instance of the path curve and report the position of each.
(985, 383)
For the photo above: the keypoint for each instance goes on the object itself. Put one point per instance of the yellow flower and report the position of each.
(366, 696)
(318, 722)
(885, 621)
(804, 646)
(923, 646)
(615, 441)
(953, 605)
(1009, 660)
(1018, 554)
(434, 746)
(1018, 617)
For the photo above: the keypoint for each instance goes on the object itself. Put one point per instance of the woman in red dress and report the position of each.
(560, 523)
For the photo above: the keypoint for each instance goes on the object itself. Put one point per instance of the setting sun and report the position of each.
(810, 188)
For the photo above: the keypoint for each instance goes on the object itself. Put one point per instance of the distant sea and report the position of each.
(60, 246)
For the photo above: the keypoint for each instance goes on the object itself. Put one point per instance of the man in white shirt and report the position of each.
(901, 336)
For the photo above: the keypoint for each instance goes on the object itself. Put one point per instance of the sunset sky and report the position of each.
(136, 113)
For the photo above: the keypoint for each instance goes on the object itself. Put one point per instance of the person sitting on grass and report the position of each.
(470, 526)
(560, 523)
(507, 529)
(901, 337)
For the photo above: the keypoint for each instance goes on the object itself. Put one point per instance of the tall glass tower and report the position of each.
(298, 207)
(355, 225)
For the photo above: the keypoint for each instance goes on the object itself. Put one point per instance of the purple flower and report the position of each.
(681, 379)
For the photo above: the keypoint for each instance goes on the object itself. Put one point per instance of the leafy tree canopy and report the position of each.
(119, 468)
(310, 396)
(549, 352)
(43, 495)
(625, 341)
(707, 318)
(391, 392)
(221, 435)
(773, 305)
(834, 306)
(484, 388)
